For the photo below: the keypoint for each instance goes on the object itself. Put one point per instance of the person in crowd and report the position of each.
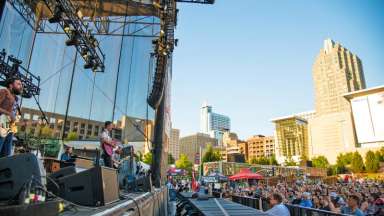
(9, 109)
(67, 154)
(324, 203)
(353, 206)
(306, 202)
(338, 196)
(297, 199)
(278, 208)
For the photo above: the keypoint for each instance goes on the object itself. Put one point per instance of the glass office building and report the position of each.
(214, 124)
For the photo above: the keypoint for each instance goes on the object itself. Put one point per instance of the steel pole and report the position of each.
(2, 6)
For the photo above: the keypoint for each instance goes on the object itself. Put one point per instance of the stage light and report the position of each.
(73, 39)
(88, 62)
(67, 28)
(84, 53)
(95, 66)
(93, 41)
(157, 5)
(57, 13)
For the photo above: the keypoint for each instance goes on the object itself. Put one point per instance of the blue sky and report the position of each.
(252, 59)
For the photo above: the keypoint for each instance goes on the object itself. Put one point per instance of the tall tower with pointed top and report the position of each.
(336, 71)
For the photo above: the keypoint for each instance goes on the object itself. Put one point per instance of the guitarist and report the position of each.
(9, 107)
(107, 143)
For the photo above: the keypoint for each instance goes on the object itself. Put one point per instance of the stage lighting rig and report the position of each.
(10, 67)
(70, 19)
(197, 1)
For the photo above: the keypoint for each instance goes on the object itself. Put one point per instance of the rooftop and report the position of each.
(364, 92)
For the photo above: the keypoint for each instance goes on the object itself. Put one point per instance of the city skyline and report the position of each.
(247, 84)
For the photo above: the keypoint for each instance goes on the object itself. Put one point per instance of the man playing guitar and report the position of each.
(9, 108)
(107, 144)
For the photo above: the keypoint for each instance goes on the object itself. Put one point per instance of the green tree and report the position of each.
(264, 160)
(171, 160)
(273, 161)
(320, 162)
(46, 132)
(344, 162)
(211, 155)
(184, 163)
(290, 162)
(303, 160)
(380, 154)
(372, 162)
(139, 156)
(72, 136)
(357, 164)
(148, 158)
(253, 161)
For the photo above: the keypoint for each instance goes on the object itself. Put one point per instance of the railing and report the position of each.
(262, 204)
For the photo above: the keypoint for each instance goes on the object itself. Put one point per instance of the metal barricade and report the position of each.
(262, 204)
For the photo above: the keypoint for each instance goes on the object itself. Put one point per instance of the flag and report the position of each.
(194, 184)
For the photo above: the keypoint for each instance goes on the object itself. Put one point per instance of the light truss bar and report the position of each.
(197, 1)
(96, 56)
(116, 31)
(24, 11)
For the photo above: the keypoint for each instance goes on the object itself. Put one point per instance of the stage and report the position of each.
(145, 203)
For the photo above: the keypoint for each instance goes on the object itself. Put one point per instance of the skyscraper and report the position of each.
(336, 71)
(190, 145)
(174, 144)
(213, 124)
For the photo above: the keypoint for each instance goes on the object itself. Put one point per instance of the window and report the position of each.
(27, 116)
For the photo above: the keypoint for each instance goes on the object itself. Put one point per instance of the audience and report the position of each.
(355, 197)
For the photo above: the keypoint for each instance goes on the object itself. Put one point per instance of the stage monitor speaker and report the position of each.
(140, 184)
(17, 170)
(93, 187)
(52, 182)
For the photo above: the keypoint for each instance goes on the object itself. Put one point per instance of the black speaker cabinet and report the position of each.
(17, 170)
(140, 184)
(93, 187)
(52, 180)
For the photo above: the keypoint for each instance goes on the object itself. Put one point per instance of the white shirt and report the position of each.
(104, 136)
(279, 210)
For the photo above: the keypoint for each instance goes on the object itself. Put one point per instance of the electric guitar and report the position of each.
(7, 126)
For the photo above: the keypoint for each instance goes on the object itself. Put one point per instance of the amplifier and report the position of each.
(17, 170)
(93, 187)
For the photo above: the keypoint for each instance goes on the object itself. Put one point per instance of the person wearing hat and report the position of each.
(9, 107)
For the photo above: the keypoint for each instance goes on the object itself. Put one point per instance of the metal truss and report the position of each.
(71, 20)
(197, 1)
(12, 68)
(22, 8)
(112, 28)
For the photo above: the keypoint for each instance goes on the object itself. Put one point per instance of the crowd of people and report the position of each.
(358, 197)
